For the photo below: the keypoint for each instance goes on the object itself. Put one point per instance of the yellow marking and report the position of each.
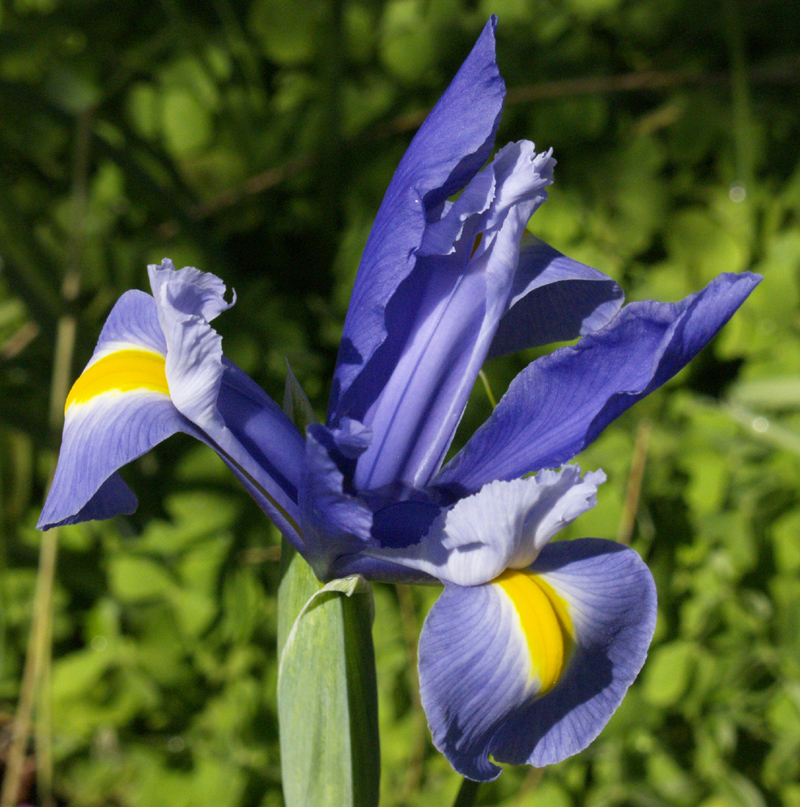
(121, 371)
(545, 622)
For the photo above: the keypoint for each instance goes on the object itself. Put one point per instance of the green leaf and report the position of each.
(668, 673)
(294, 41)
(296, 405)
(186, 124)
(135, 578)
(327, 693)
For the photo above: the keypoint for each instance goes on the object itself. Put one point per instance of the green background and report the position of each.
(254, 140)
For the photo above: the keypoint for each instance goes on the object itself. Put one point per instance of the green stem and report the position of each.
(39, 635)
(467, 793)
(35, 682)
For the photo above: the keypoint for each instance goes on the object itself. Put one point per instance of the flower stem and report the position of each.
(467, 794)
(635, 479)
(35, 684)
(36, 653)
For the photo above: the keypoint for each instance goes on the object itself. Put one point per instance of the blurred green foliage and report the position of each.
(254, 139)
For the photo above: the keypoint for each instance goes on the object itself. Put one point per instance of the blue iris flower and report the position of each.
(531, 646)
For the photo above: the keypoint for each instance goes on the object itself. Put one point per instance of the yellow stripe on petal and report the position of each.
(545, 622)
(121, 371)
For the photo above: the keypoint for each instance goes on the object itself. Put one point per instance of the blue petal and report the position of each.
(262, 428)
(132, 321)
(377, 569)
(100, 437)
(561, 402)
(232, 415)
(442, 321)
(502, 526)
(473, 673)
(612, 601)
(189, 292)
(334, 522)
(261, 446)
(554, 299)
(187, 300)
(449, 148)
(112, 428)
(121, 414)
(475, 663)
(395, 523)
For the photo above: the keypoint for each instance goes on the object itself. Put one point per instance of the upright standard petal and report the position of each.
(561, 402)
(529, 668)
(413, 391)
(554, 299)
(503, 526)
(449, 148)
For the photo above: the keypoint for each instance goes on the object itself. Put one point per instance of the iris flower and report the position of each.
(531, 645)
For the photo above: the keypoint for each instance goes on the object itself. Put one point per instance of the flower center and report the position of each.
(544, 620)
(121, 371)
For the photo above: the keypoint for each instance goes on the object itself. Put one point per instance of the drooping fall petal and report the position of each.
(158, 369)
(530, 668)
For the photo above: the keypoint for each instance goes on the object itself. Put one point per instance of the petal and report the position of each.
(554, 299)
(261, 446)
(535, 678)
(100, 436)
(611, 600)
(473, 672)
(396, 522)
(259, 424)
(122, 405)
(442, 320)
(239, 421)
(334, 523)
(449, 148)
(133, 321)
(188, 300)
(118, 409)
(187, 291)
(377, 569)
(561, 402)
(504, 525)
